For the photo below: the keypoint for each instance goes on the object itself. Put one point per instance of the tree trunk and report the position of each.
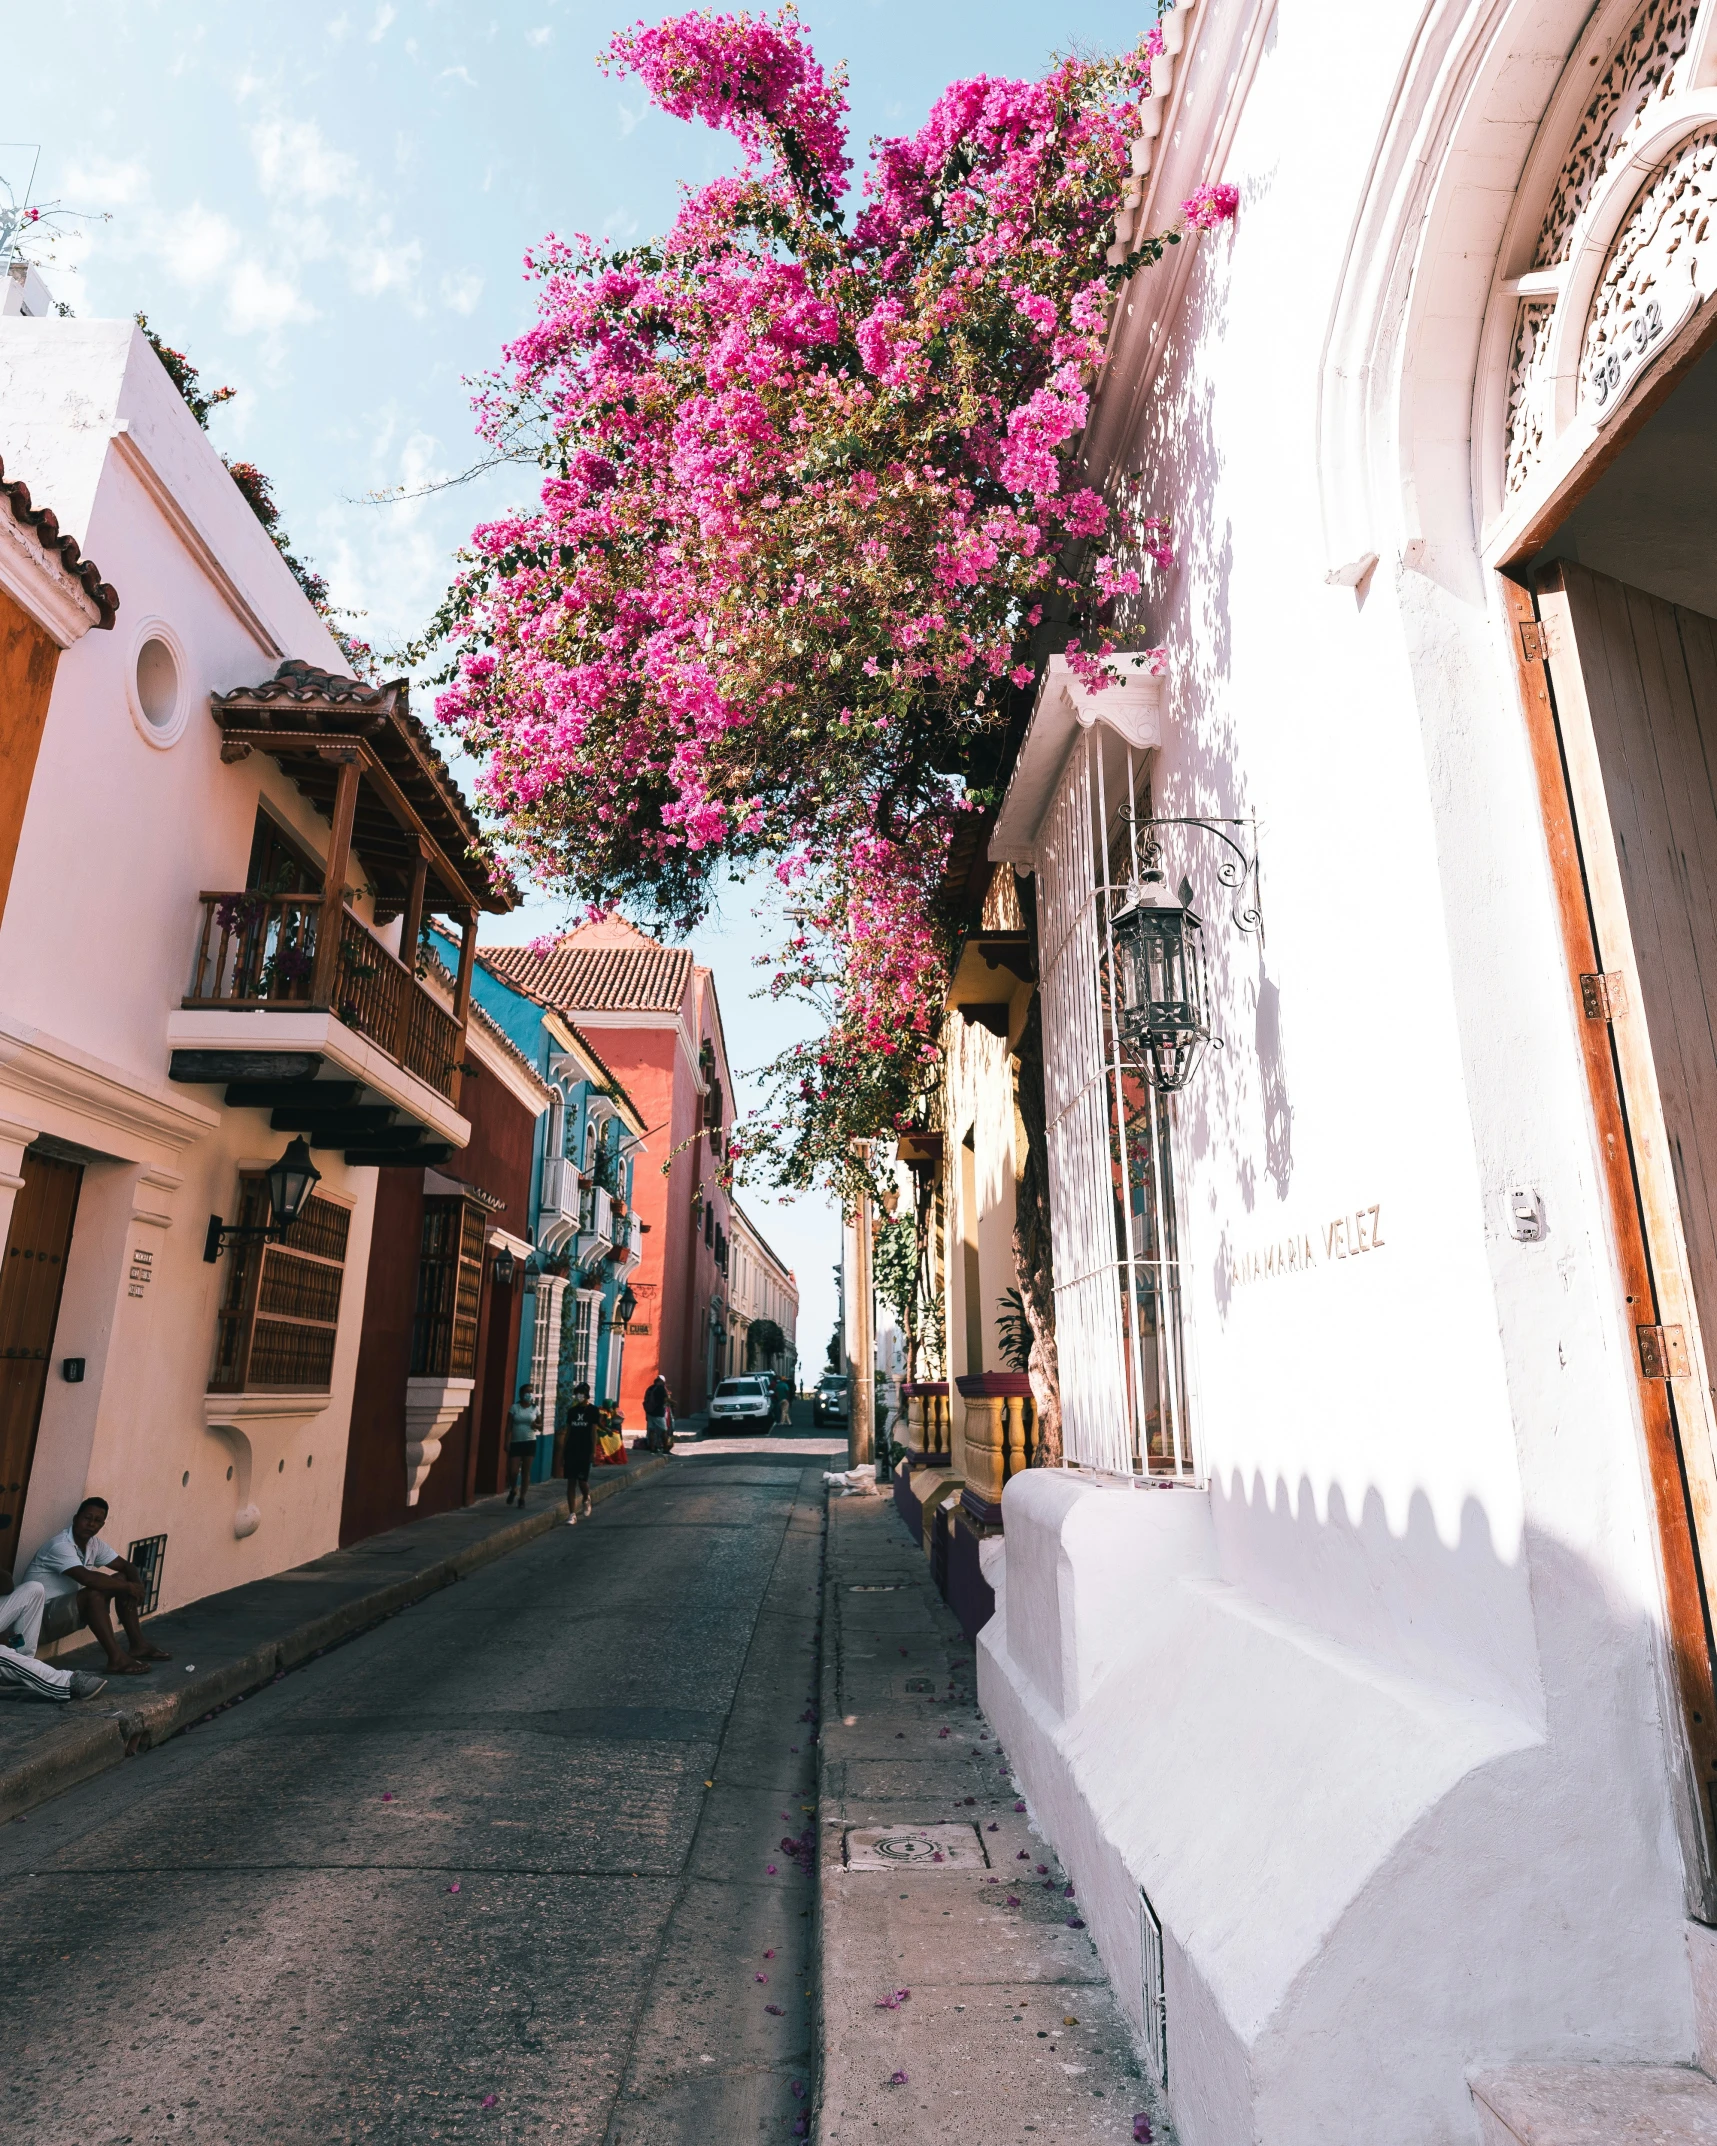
(1033, 1258)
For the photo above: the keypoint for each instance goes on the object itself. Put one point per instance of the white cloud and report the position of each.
(197, 245)
(339, 29)
(386, 16)
(457, 74)
(461, 289)
(542, 36)
(101, 183)
(377, 268)
(260, 301)
(293, 159)
(628, 118)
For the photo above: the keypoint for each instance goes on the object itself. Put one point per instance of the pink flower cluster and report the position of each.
(808, 493)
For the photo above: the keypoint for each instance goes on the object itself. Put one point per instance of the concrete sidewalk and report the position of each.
(1009, 2029)
(227, 1645)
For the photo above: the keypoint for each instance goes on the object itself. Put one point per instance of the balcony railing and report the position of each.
(257, 951)
(595, 1221)
(560, 1187)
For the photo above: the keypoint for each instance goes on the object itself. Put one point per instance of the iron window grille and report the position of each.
(1156, 1993)
(1113, 1204)
(149, 1556)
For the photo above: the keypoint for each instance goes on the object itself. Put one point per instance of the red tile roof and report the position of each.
(44, 525)
(644, 978)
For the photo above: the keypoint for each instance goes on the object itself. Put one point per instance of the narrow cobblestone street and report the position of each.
(509, 1866)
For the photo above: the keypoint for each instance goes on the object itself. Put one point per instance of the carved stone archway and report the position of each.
(1606, 270)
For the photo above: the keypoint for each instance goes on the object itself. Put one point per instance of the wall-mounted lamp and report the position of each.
(506, 1266)
(1159, 973)
(1159, 952)
(625, 1304)
(290, 1182)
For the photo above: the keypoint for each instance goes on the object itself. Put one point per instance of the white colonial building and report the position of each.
(1359, 1661)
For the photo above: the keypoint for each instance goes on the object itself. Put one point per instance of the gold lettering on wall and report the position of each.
(1347, 1236)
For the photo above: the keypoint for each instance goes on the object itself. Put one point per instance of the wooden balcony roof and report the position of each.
(310, 721)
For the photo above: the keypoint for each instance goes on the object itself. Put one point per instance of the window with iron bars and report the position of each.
(1113, 1213)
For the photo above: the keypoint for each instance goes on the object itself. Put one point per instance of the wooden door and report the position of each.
(1634, 680)
(31, 1279)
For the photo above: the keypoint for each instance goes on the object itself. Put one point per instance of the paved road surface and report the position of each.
(465, 1877)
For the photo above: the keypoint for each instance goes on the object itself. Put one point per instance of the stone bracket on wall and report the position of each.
(432, 1407)
(243, 1422)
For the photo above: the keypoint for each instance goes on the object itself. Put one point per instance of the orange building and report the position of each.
(651, 1011)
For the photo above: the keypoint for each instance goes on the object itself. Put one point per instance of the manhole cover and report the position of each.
(924, 1847)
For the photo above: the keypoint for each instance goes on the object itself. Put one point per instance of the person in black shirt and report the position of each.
(580, 1449)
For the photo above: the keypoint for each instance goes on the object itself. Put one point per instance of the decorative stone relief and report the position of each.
(1640, 75)
(1527, 415)
(1659, 270)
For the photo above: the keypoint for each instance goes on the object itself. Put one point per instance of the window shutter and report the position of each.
(279, 1313)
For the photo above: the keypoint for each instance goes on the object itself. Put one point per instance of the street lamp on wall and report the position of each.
(1159, 975)
(290, 1182)
(506, 1266)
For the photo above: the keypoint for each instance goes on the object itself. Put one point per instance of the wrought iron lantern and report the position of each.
(506, 1266)
(290, 1183)
(626, 1304)
(1159, 975)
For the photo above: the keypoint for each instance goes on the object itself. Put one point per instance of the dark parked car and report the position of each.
(831, 1404)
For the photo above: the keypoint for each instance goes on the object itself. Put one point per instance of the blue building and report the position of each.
(586, 1235)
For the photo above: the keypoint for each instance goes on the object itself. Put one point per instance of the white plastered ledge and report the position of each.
(1132, 708)
(1363, 1875)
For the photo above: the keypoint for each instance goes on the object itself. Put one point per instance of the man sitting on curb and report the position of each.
(77, 1561)
(20, 1634)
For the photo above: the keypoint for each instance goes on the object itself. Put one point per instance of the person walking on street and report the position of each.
(522, 1420)
(658, 1416)
(580, 1448)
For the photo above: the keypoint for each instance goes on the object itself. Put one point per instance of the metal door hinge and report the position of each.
(1603, 997)
(1662, 1352)
(1534, 641)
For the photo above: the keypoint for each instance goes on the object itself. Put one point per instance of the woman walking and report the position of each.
(522, 1420)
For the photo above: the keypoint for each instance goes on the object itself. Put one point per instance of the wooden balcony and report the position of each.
(312, 1018)
(260, 952)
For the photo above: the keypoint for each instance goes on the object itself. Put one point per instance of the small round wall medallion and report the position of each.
(158, 684)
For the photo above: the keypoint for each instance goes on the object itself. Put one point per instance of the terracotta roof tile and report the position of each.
(44, 525)
(596, 979)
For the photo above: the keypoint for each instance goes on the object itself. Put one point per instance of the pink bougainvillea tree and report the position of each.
(809, 523)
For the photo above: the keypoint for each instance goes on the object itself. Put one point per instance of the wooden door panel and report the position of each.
(1656, 735)
(32, 1277)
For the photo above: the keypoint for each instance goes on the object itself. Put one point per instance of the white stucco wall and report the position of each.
(1378, 1719)
(120, 838)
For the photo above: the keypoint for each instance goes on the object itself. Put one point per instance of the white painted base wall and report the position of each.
(1371, 1883)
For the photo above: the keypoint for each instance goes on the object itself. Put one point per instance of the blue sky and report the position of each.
(326, 208)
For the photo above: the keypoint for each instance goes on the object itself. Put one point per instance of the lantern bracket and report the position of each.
(1238, 872)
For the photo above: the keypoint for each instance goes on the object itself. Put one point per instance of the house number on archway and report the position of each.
(1642, 331)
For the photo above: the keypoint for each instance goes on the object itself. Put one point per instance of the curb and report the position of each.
(77, 1750)
(828, 1837)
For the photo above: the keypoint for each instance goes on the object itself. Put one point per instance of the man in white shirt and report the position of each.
(78, 1562)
